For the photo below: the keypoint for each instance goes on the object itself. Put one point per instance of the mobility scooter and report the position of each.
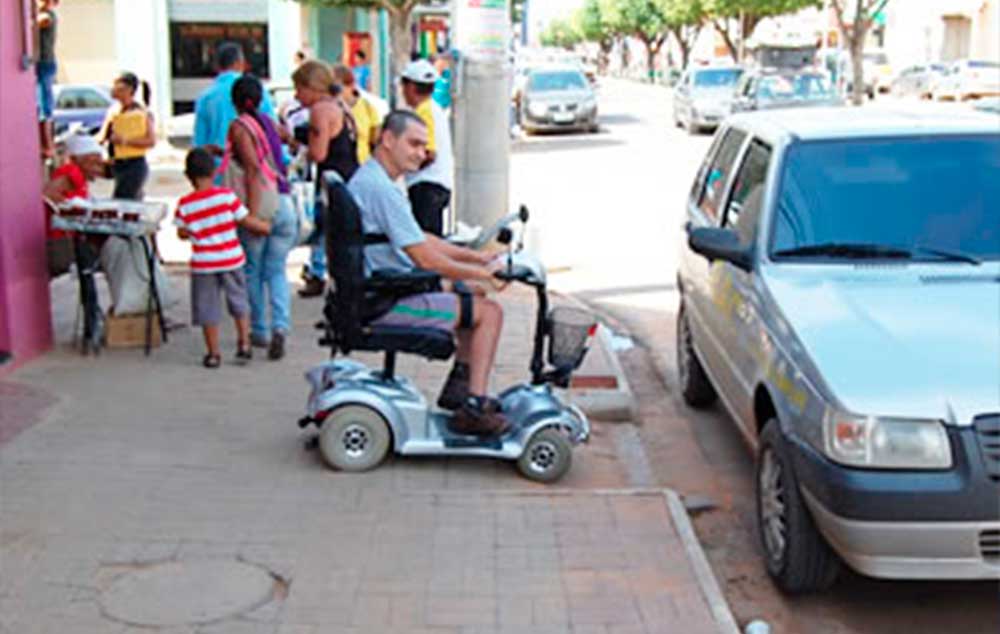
(362, 413)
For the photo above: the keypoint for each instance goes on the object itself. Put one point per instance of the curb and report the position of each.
(725, 622)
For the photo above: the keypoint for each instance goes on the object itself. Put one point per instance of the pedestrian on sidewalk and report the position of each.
(365, 116)
(430, 187)
(332, 144)
(131, 133)
(214, 110)
(362, 70)
(256, 146)
(45, 72)
(475, 319)
(208, 217)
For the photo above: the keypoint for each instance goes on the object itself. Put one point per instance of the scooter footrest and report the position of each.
(473, 442)
(305, 421)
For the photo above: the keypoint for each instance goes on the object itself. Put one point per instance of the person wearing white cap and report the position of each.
(85, 164)
(430, 188)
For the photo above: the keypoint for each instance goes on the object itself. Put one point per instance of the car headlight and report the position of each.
(588, 104)
(537, 109)
(885, 443)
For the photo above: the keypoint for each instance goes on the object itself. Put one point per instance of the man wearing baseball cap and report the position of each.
(430, 187)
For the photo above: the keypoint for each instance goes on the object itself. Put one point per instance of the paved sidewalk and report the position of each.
(154, 493)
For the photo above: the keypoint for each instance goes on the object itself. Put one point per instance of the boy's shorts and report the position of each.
(206, 304)
(428, 310)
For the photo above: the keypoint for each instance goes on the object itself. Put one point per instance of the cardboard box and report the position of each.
(129, 331)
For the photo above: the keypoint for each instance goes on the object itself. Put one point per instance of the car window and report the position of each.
(795, 87)
(699, 180)
(80, 98)
(569, 80)
(938, 192)
(717, 78)
(719, 172)
(747, 197)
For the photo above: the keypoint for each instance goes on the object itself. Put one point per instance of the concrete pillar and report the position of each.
(482, 102)
(142, 46)
(284, 37)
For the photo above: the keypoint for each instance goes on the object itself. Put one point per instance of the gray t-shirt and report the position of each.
(47, 39)
(384, 209)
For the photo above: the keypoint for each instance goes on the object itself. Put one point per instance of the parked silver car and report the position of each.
(770, 90)
(839, 295)
(558, 98)
(968, 79)
(917, 81)
(703, 96)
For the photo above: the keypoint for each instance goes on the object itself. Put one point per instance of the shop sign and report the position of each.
(482, 29)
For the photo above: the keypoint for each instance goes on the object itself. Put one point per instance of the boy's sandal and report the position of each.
(244, 355)
(211, 361)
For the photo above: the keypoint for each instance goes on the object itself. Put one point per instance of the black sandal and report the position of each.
(244, 355)
(211, 361)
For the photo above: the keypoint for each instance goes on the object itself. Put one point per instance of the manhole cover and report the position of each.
(187, 593)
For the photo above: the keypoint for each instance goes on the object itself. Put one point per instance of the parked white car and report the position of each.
(968, 79)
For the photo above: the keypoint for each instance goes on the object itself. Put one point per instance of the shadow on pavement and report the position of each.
(562, 142)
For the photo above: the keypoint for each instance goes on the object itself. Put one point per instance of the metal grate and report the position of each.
(989, 545)
(988, 434)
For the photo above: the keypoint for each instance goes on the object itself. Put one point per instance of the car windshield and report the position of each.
(717, 78)
(569, 80)
(797, 87)
(915, 194)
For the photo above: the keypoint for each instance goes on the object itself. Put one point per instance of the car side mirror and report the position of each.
(720, 244)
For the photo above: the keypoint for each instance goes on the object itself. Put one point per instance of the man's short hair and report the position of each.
(397, 121)
(199, 164)
(360, 54)
(228, 54)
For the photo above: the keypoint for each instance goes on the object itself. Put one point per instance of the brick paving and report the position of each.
(138, 461)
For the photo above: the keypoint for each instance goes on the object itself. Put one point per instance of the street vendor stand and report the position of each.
(122, 218)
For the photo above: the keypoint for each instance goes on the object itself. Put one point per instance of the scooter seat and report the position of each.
(431, 343)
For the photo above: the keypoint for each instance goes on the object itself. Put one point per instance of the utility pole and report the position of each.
(482, 102)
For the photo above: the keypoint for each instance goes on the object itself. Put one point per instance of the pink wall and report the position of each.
(25, 322)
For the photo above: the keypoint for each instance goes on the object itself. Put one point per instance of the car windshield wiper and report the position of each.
(954, 256)
(859, 250)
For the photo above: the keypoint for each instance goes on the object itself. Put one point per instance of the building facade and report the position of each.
(920, 31)
(25, 325)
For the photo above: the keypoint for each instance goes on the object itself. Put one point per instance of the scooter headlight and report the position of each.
(886, 443)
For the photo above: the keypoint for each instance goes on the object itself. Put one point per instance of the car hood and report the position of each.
(919, 341)
(799, 103)
(559, 96)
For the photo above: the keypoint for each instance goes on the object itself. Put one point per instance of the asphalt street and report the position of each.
(607, 214)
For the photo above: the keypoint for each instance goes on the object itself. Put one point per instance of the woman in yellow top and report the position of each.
(365, 116)
(130, 130)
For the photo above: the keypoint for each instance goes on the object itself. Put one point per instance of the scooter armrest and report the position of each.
(399, 282)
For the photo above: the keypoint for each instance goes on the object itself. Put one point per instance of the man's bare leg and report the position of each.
(483, 339)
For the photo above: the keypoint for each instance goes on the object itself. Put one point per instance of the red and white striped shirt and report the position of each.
(210, 218)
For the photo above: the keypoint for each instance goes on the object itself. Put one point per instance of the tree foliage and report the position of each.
(730, 17)
(684, 20)
(561, 33)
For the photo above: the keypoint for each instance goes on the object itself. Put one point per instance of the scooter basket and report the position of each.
(570, 330)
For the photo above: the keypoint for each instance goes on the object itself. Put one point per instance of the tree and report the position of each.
(854, 34)
(729, 15)
(645, 20)
(399, 12)
(594, 22)
(684, 19)
(561, 33)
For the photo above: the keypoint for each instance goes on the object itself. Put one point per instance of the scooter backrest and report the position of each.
(345, 246)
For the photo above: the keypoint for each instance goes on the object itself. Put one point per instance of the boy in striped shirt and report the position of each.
(208, 217)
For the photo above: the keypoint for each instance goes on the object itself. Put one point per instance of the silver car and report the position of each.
(840, 295)
(703, 96)
(558, 99)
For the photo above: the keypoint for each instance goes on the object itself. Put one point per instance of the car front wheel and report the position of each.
(798, 559)
(695, 386)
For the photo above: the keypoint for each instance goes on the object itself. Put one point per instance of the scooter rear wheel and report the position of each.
(547, 456)
(354, 438)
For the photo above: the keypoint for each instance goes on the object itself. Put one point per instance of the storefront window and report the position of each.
(192, 46)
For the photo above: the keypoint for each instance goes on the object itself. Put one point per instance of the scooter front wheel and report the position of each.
(547, 456)
(354, 438)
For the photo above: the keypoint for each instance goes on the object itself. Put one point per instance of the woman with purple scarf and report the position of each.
(267, 256)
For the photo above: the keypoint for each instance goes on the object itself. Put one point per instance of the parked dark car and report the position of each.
(558, 98)
(765, 90)
(86, 105)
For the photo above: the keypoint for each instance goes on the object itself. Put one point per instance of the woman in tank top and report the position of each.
(130, 131)
(332, 146)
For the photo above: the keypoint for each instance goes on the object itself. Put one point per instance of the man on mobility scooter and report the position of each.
(475, 319)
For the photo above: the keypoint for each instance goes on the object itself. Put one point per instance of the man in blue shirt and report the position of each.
(386, 210)
(214, 109)
(362, 71)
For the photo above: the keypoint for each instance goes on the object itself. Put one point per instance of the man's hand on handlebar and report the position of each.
(495, 265)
